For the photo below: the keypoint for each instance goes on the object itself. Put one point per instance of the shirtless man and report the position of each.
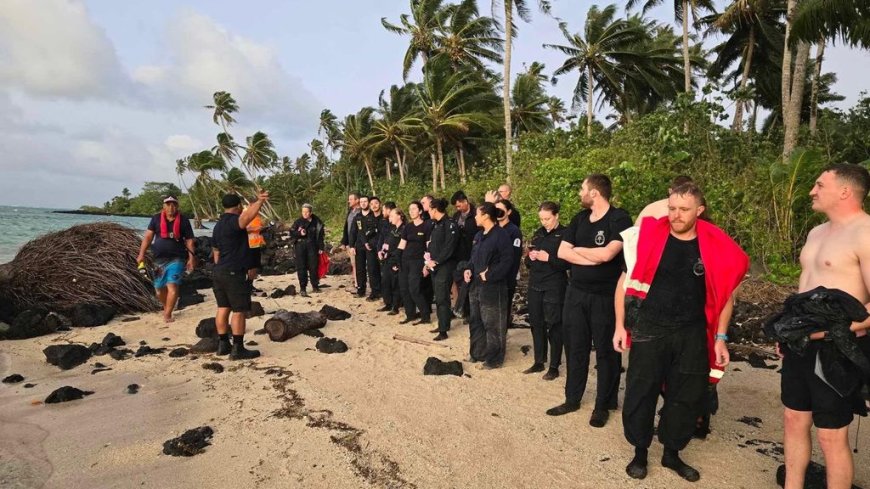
(836, 255)
(659, 208)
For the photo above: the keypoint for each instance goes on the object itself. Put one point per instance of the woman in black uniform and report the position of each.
(413, 246)
(488, 272)
(391, 257)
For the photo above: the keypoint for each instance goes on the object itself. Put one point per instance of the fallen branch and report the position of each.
(419, 342)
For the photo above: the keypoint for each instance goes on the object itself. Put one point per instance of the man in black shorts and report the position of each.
(230, 243)
(837, 256)
(593, 247)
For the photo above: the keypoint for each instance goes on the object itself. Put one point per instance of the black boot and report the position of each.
(224, 345)
(671, 460)
(563, 409)
(636, 469)
(240, 352)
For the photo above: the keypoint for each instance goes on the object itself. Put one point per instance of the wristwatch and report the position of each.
(720, 336)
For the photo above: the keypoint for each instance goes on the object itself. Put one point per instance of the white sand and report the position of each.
(364, 418)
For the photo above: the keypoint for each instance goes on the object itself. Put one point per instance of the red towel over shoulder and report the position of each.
(725, 262)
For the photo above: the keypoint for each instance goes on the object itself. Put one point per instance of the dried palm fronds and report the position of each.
(88, 263)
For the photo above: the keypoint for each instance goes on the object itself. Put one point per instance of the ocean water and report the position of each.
(18, 225)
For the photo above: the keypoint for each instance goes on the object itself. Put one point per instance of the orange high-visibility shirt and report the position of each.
(255, 239)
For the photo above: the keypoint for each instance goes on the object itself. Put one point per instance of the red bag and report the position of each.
(323, 266)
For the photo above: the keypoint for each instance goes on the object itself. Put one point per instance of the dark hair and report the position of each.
(552, 207)
(489, 209)
(855, 176)
(389, 205)
(601, 183)
(691, 189)
(418, 204)
(680, 180)
(457, 196)
(374, 198)
(507, 204)
(361, 197)
(231, 200)
(439, 204)
(400, 212)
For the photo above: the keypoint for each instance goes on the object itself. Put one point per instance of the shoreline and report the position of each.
(95, 213)
(296, 417)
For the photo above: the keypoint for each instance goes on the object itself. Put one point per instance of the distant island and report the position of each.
(97, 212)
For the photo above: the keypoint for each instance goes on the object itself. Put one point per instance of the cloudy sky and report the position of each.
(98, 95)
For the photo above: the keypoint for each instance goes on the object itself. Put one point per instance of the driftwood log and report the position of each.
(287, 324)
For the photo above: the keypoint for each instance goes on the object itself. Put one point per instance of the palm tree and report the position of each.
(451, 103)
(259, 154)
(792, 82)
(235, 181)
(203, 163)
(752, 26)
(394, 129)
(848, 20)
(427, 17)
(329, 126)
(531, 109)
(180, 169)
(680, 12)
(510, 28)
(603, 56)
(224, 107)
(556, 110)
(467, 39)
(356, 141)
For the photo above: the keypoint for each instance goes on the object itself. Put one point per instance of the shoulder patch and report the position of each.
(517, 243)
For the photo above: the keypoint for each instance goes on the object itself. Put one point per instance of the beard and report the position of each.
(585, 202)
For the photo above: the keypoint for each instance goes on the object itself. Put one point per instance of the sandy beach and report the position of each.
(366, 418)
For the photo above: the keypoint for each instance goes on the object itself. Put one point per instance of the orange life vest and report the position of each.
(255, 239)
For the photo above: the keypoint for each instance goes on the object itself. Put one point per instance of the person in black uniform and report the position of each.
(389, 256)
(441, 263)
(413, 246)
(487, 273)
(547, 281)
(230, 249)
(464, 219)
(593, 246)
(504, 193)
(516, 239)
(364, 236)
(346, 243)
(309, 233)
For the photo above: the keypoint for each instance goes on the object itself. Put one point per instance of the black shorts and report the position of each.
(803, 390)
(231, 290)
(255, 258)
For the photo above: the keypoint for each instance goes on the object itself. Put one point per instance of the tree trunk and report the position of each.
(434, 172)
(506, 96)
(460, 150)
(814, 97)
(287, 324)
(687, 65)
(786, 58)
(747, 64)
(752, 119)
(388, 164)
(399, 161)
(792, 120)
(440, 149)
(590, 87)
(368, 165)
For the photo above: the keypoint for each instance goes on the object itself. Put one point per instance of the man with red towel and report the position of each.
(173, 246)
(676, 302)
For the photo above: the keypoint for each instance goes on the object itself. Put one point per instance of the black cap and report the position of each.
(231, 200)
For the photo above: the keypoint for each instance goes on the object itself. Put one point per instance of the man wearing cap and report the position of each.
(170, 237)
(231, 258)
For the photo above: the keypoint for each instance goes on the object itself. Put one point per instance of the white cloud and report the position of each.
(53, 48)
(182, 143)
(206, 57)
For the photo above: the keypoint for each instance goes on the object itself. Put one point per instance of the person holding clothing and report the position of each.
(391, 260)
(230, 250)
(413, 246)
(488, 273)
(441, 263)
(309, 233)
(547, 282)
